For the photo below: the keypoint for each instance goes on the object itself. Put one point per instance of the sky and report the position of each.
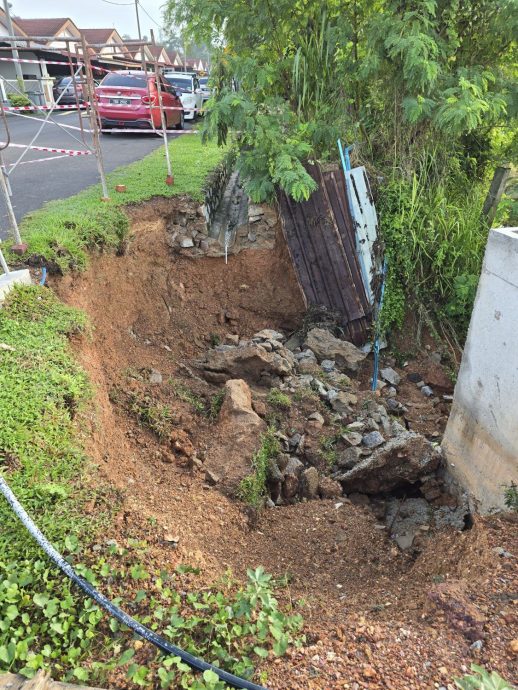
(95, 14)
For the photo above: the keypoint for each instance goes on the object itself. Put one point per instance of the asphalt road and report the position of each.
(34, 184)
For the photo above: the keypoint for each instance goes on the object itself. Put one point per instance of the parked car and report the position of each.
(125, 99)
(206, 92)
(189, 89)
(65, 86)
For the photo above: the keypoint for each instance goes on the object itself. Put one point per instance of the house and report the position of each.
(97, 36)
(160, 53)
(54, 28)
(4, 31)
(175, 59)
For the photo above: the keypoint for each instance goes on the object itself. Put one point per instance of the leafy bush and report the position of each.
(483, 680)
(18, 100)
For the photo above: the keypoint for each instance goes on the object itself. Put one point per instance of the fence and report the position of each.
(81, 72)
(321, 238)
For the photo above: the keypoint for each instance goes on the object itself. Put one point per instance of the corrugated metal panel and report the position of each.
(320, 234)
(366, 220)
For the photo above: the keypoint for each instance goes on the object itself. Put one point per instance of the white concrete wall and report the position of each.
(481, 439)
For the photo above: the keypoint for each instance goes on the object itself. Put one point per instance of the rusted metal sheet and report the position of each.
(320, 234)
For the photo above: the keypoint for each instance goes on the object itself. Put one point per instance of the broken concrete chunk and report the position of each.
(405, 458)
(328, 488)
(155, 377)
(342, 402)
(325, 346)
(270, 334)
(373, 439)
(252, 363)
(310, 482)
(348, 458)
(390, 376)
(186, 242)
(352, 438)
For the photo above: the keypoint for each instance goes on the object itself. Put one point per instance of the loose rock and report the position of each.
(325, 346)
(404, 458)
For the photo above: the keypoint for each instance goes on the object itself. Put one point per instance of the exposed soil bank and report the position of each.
(371, 623)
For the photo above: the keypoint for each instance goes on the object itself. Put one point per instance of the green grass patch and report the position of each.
(64, 231)
(279, 399)
(184, 393)
(153, 414)
(42, 390)
(252, 489)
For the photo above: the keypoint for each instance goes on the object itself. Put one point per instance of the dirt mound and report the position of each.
(154, 314)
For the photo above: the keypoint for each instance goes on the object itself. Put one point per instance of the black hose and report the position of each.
(112, 609)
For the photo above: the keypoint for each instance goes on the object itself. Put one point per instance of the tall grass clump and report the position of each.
(435, 236)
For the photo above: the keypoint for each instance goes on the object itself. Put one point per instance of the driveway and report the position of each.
(34, 184)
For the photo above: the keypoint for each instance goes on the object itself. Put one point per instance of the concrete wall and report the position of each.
(481, 439)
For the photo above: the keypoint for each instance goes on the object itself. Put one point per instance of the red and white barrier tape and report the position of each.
(69, 152)
(36, 160)
(149, 131)
(43, 107)
(37, 62)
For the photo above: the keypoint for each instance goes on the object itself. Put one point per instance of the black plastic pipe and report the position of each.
(117, 613)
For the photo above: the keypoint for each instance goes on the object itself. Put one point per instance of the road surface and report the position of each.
(34, 184)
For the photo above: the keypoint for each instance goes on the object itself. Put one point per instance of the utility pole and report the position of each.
(142, 50)
(16, 56)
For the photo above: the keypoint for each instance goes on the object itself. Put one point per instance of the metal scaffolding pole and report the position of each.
(92, 112)
(169, 179)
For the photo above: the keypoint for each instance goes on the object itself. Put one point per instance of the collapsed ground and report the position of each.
(379, 613)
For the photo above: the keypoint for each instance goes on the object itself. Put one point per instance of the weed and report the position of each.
(252, 489)
(435, 238)
(155, 415)
(216, 403)
(327, 449)
(64, 231)
(306, 393)
(183, 393)
(511, 496)
(279, 399)
(45, 624)
(214, 339)
(482, 680)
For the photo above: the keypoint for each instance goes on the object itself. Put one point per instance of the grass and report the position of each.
(279, 399)
(63, 232)
(42, 390)
(252, 489)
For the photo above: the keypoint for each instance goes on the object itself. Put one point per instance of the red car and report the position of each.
(124, 99)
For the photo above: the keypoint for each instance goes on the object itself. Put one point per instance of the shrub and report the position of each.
(18, 100)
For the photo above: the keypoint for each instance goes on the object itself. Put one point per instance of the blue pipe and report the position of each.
(43, 276)
(117, 613)
(377, 338)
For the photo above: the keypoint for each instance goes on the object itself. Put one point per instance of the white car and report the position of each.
(188, 89)
(206, 91)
